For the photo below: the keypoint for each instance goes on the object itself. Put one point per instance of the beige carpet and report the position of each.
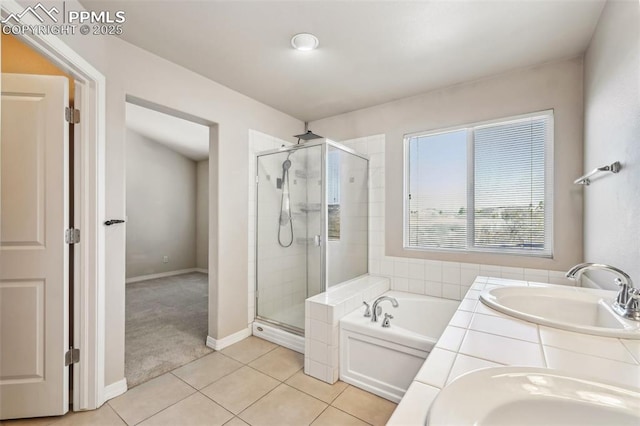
(166, 325)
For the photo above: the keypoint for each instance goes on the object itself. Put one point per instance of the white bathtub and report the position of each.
(384, 361)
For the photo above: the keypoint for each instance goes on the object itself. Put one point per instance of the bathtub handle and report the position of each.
(387, 323)
(367, 312)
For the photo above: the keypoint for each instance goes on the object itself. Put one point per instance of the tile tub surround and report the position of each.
(451, 280)
(322, 322)
(479, 337)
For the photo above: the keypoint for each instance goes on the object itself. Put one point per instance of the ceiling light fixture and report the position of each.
(304, 41)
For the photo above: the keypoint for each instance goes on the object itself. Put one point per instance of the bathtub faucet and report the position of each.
(377, 310)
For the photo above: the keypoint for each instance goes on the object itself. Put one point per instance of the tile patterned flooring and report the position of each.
(253, 382)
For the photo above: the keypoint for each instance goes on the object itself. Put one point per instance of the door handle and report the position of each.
(113, 222)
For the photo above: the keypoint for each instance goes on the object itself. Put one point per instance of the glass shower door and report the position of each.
(347, 248)
(288, 233)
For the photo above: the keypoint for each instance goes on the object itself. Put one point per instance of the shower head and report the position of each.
(307, 136)
(285, 170)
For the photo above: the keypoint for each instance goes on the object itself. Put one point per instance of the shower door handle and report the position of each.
(317, 241)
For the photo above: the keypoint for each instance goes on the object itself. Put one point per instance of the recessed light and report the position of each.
(304, 41)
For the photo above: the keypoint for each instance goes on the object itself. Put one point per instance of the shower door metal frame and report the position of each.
(325, 143)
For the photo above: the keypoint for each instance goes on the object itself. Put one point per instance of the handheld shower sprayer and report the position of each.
(285, 169)
(285, 203)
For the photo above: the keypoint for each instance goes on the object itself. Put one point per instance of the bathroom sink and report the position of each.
(532, 396)
(568, 308)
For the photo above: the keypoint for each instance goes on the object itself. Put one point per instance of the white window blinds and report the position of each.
(438, 190)
(485, 187)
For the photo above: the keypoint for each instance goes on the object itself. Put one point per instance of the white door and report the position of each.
(34, 285)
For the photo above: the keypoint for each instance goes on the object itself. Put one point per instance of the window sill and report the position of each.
(454, 252)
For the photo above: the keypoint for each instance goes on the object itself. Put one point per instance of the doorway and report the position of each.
(167, 218)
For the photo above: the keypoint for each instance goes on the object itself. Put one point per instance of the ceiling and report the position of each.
(370, 52)
(184, 137)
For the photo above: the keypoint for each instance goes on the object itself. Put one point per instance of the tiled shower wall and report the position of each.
(449, 280)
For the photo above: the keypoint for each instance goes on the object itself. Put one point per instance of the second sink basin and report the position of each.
(505, 396)
(567, 308)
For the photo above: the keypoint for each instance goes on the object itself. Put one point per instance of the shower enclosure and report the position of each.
(311, 226)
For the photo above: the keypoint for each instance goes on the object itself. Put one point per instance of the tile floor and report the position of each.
(253, 382)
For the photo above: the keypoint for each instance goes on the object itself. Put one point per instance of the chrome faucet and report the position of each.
(377, 310)
(627, 303)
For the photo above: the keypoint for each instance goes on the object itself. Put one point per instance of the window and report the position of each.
(333, 194)
(484, 187)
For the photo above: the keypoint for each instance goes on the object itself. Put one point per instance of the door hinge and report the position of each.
(71, 115)
(72, 236)
(72, 356)
(257, 179)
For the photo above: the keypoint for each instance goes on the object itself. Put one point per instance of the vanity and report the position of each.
(592, 366)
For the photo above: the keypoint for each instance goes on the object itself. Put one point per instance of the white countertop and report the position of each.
(479, 337)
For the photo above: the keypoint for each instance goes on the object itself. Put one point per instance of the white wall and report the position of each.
(132, 71)
(202, 215)
(612, 133)
(556, 86)
(161, 208)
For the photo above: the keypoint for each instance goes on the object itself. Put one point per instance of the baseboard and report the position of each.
(219, 344)
(160, 275)
(202, 270)
(115, 389)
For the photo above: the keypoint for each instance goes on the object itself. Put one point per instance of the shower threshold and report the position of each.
(289, 338)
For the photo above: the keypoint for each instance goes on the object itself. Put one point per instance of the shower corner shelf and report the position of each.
(309, 207)
(305, 241)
